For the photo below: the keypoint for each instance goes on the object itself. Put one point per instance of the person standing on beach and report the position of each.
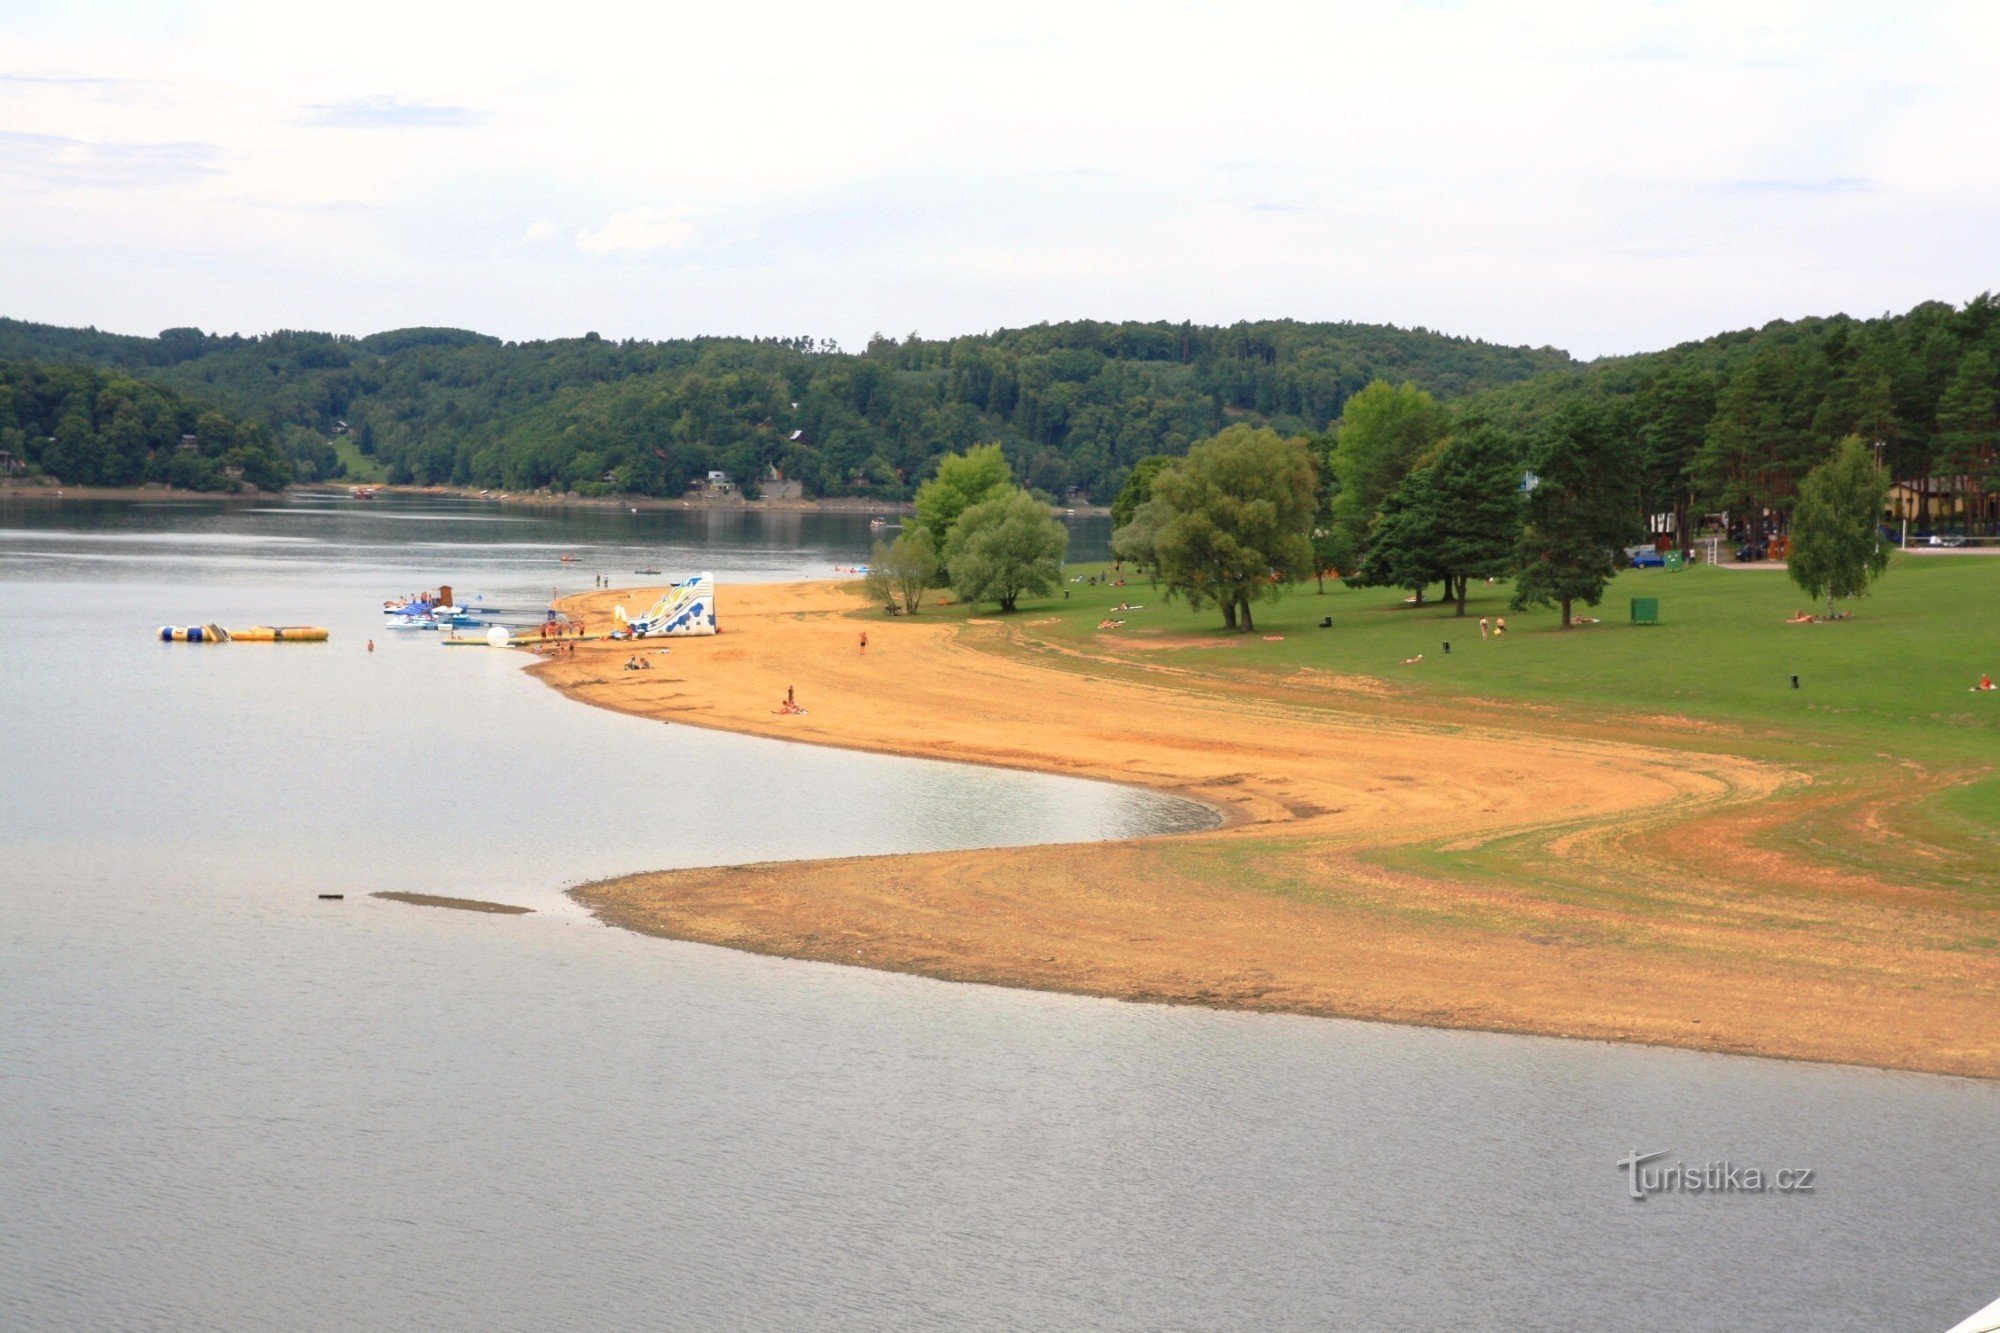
(864, 643)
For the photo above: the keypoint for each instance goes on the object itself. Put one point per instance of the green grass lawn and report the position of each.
(1899, 673)
(360, 467)
(1893, 683)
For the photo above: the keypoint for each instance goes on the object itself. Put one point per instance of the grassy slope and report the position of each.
(359, 467)
(1884, 698)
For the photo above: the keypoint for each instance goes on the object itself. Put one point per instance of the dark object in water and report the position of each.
(332, 895)
(462, 904)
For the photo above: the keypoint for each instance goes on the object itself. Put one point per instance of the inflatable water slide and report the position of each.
(688, 607)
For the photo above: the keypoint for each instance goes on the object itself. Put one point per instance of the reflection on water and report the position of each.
(227, 1102)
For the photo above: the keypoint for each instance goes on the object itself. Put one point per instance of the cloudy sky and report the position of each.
(1601, 177)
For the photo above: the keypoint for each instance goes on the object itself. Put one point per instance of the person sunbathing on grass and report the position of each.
(1985, 683)
(1801, 618)
(1412, 661)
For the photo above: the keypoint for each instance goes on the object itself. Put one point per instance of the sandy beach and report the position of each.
(1494, 869)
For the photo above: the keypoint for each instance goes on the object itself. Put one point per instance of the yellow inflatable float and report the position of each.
(279, 634)
(255, 634)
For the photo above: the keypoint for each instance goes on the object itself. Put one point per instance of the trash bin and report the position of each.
(1645, 610)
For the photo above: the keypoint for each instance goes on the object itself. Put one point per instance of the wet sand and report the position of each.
(1485, 869)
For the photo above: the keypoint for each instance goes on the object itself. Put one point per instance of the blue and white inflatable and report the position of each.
(687, 607)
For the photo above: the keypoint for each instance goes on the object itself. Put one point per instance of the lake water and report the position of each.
(224, 1102)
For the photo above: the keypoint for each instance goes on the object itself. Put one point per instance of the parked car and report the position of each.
(1645, 557)
(1746, 553)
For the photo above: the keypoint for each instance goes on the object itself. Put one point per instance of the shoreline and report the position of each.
(1334, 886)
(827, 504)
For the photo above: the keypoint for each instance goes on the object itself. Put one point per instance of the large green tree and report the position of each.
(1455, 518)
(1005, 547)
(1584, 506)
(1235, 520)
(1837, 546)
(1384, 430)
(1474, 498)
(1403, 541)
(962, 481)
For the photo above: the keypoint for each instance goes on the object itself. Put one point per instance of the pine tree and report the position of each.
(1969, 429)
(1584, 506)
(1474, 498)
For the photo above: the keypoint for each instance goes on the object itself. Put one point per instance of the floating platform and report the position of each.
(279, 634)
(254, 634)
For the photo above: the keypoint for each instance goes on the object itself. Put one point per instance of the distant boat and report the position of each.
(645, 571)
(363, 492)
(878, 522)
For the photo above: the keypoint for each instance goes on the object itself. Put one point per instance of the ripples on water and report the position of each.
(229, 1103)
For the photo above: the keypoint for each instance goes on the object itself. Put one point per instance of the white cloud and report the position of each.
(1604, 178)
(639, 231)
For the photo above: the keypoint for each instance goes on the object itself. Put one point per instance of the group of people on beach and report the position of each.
(637, 663)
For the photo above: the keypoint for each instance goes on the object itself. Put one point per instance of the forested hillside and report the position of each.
(90, 427)
(1736, 421)
(1074, 405)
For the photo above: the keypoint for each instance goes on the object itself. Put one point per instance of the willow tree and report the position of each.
(1005, 547)
(1235, 521)
(900, 572)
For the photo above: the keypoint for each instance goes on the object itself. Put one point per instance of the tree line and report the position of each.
(1737, 421)
(89, 427)
(1549, 485)
(1072, 405)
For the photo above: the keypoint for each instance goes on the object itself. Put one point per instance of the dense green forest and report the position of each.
(91, 427)
(1736, 421)
(1074, 405)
